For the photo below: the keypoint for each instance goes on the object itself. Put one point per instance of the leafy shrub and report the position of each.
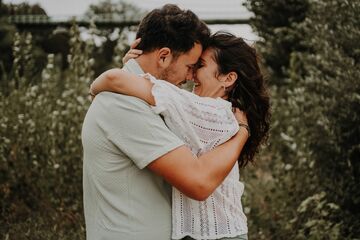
(40, 149)
(314, 147)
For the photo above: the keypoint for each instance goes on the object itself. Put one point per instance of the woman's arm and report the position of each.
(120, 81)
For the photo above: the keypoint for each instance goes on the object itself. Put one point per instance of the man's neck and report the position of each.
(147, 64)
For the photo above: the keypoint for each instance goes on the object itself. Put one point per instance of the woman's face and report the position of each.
(207, 81)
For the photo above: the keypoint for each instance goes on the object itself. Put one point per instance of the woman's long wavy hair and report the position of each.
(249, 92)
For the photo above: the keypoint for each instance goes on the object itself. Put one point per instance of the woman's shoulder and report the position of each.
(223, 102)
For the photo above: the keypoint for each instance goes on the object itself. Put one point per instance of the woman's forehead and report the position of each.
(208, 55)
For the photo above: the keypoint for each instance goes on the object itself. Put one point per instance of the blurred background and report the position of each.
(305, 182)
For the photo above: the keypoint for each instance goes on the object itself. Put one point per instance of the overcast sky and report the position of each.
(205, 9)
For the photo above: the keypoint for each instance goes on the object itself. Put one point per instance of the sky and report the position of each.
(205, 9)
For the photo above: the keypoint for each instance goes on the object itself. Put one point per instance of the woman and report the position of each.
(227, 77)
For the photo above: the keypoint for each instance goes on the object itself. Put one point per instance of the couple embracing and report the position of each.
(161, 162)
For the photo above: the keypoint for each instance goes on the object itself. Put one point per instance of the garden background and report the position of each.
(305, 182)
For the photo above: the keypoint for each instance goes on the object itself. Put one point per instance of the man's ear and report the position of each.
(164, 57)
(230, 79)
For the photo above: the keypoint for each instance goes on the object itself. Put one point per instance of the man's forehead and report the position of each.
(194, 54)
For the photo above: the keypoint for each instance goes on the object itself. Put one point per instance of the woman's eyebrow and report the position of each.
(200, 60)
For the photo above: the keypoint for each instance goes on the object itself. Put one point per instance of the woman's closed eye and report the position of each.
(198, 65)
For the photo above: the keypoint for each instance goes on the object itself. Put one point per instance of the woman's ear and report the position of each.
(230, 79)
(164, 57)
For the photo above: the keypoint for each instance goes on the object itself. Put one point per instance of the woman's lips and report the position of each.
(196, 83)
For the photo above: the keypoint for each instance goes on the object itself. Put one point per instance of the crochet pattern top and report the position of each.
(202, 123)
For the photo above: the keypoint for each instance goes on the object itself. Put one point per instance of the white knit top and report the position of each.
(202, 123)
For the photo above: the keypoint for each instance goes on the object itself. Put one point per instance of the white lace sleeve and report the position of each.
(202, 122)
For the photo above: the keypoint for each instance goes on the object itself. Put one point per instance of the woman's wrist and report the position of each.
(245, 126)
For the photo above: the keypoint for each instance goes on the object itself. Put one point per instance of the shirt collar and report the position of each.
(133, 66)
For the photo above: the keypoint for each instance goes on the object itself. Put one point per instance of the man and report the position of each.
(129, 151)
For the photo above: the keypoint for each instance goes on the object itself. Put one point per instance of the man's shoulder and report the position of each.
(111, 109)
(111, 100)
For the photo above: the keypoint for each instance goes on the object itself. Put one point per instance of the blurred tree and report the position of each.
(311, 49)
(7, 33)
(2, 9)
(23, 9)
(276, 22)
(110, 10)
(330, 105)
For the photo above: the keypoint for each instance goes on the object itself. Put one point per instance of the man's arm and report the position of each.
(198, 178)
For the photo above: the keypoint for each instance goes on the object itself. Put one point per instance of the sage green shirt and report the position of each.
(124, 200)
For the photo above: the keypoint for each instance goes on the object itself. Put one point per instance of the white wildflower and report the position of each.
(288, 167)
(312, 163)
(286, 137)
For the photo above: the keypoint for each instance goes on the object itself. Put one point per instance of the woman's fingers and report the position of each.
(135, 51)
(132, 53)
(135, 43)
(129, 56)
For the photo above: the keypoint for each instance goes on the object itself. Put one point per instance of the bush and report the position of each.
(312, 192)
(40, 149)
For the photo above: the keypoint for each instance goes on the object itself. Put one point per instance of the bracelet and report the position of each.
(246, 127)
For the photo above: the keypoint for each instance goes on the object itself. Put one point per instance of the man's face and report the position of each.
(181, 69)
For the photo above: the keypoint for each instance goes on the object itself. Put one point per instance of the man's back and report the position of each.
(122, 198)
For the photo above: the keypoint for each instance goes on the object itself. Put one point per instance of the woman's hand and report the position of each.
(132, 53)
(240, 116)
(242, 120)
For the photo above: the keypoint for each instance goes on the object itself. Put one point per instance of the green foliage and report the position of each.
(276, 22)
(7, 37)
(120, 9)
(7, 32)
(40, 148)
(43, 100)
(55, 41)
(22, 9)
(108, 55)
(313, 191)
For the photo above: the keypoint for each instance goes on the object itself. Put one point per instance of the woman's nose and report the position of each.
(190, 75)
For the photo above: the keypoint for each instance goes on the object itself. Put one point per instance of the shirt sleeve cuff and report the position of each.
(167, 148)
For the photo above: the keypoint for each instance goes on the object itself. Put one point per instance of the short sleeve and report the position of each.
(137, 131)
